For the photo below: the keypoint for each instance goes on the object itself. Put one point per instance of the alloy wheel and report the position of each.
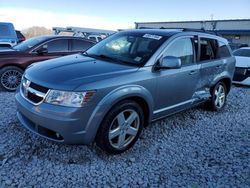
(220, 96)
(124, 128)
(11, 79)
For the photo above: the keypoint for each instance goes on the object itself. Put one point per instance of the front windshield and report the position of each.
(127, 47)
(242, 52)
(28, 44)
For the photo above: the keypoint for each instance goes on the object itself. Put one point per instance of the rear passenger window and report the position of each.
(59, 45)
(80, 45)
(208, 49)
(223, 50)
(183, 49)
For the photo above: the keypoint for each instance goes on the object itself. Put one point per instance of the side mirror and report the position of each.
(169, 62)
(42, 51)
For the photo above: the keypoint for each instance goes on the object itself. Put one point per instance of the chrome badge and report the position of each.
(26, 84)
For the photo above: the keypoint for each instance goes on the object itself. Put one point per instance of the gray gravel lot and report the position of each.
(195, 148)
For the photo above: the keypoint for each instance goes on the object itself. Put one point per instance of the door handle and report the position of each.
(218, 66)
(192, 72)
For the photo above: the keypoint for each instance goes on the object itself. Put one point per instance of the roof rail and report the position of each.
(213, 32)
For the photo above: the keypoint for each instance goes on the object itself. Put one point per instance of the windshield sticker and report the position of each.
(155, 37)
(137, 59)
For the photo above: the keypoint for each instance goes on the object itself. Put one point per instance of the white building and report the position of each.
(236, 31)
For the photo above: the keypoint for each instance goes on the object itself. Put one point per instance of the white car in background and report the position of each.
(242, 67)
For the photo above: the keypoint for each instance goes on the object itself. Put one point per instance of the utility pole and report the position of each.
(212, 17)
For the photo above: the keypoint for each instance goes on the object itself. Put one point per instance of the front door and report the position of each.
(56, 48)
(176, 87)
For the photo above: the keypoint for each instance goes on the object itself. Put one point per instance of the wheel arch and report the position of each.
(136, 93)
(228, 83)
(226, 80)
(144, 105)
(13, 65)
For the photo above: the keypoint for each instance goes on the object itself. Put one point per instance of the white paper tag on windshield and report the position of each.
(156, 37)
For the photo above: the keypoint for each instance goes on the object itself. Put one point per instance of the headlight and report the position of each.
(66, 98)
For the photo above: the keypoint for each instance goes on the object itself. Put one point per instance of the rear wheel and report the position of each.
(10, 78)
(219, 96)
(121, 127)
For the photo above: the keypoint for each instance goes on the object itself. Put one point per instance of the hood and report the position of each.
(70, 72)
(8, 51)
(242, 61)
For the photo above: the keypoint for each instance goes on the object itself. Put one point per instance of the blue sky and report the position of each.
(115, 14)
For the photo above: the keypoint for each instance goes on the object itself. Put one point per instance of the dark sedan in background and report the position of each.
(15, 60)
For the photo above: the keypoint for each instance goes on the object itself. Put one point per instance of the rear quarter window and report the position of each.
(222, 50)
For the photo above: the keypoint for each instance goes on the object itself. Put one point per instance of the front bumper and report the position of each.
(58, 123)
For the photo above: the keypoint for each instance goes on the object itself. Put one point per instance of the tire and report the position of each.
(10, 78)
(121, 127)
(219, 97)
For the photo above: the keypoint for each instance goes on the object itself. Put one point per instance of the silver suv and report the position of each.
(120, 85)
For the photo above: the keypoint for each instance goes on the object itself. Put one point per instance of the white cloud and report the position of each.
(24, 18)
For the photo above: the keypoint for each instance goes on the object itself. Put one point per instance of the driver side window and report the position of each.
(183, 49)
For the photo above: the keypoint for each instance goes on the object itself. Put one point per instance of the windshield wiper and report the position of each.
(112, 59)
(102, 56)
(85, 53)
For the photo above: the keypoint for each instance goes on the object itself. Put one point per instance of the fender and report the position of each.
(111, 99)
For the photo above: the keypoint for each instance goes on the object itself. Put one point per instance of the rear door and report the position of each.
(79, 45)
(176, 87)
(212, 65)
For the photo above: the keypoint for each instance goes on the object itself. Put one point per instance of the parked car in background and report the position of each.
(8, 36)
(20, 36)
(242, 67)
(235, 46)
(96, 38)
(114, 89)
(14, 61)
(89, 33)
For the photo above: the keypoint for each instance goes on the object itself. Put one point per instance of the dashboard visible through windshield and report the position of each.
(129, 48)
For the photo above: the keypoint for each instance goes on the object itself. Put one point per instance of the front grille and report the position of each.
(239, 78)
(34, 98)
(38, 87)
(240, 74)
(240, 71)
(33, 92)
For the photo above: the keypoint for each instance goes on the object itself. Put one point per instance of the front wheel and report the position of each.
(219, 96)
(10, 78)
(121, 127)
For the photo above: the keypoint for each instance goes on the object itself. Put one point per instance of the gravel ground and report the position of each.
(195, 148)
